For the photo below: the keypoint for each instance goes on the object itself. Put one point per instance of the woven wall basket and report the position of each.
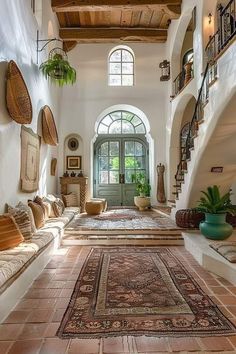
(17, 96)
(49, 128)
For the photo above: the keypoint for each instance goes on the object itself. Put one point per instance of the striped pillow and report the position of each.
(25, 207)
(22, 219)
(70, 200)
(10, 235)
(38, 214)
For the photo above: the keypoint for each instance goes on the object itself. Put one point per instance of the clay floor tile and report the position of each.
(58, 314)
(18, 316)
(42, 293)
(55, 346)
(231, 309)
(219, 290)
(5, 346)
(26, 347)
(66, 293)
(84, 346)
(10, 331)
(57, 284)
(52, 329)
(150, 344)
(113, 345)
(227, 299)
(216, 343)
(33, 331)
(184, 344)
(41, 315)
(70, 284)
(62, 303)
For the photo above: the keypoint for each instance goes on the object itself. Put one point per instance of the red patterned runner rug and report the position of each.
(139, 291)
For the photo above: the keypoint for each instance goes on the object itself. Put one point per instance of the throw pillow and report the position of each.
(10, 235)
(25, 207)
(70, 200)
(22, 219)
(39, 201)
(38, 214)
(58, 207)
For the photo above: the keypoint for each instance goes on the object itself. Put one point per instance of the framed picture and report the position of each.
(73, 162)
(73, 144)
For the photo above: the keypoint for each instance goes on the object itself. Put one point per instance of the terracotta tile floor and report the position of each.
(31, 326)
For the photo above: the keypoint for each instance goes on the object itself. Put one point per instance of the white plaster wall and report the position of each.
(82, 104)
(18, 32)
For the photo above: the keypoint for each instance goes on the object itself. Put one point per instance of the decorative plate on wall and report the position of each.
(17, 96)
(49, 128)
(73, 144)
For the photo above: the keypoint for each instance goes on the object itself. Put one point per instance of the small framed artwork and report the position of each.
(73, 163)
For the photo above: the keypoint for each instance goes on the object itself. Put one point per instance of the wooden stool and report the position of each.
(103, 200)
(94, 207)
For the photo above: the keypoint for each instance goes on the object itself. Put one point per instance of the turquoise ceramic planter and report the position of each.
(215, 227)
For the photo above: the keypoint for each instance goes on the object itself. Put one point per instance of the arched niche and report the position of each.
(183, 115)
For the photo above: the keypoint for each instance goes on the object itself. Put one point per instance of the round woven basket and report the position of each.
(189, 218)
(17, 96)
(49, 129)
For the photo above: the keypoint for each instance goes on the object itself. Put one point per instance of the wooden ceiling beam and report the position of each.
(113, 35)
(109, 5)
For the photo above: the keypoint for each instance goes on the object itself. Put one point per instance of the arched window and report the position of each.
(121, 67)
(121, 122)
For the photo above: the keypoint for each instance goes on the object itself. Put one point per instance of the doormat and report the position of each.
(139, 291)
(122, 219)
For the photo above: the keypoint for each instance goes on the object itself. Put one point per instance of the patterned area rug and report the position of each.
(122, 219)
(139, 291)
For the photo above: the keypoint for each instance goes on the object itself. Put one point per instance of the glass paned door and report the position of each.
(116, 162)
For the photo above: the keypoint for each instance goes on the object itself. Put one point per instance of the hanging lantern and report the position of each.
(165, 70)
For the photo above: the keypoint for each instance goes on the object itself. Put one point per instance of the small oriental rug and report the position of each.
(139, 291)
(122, 219)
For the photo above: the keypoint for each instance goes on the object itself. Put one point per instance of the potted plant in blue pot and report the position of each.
(215, 208)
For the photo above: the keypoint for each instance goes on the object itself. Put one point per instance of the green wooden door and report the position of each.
(115, 161)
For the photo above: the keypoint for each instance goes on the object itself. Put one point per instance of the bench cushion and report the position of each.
(15, 260)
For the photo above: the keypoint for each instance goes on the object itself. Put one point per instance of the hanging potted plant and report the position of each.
(142, 201)
(215, 208)
(58, 69)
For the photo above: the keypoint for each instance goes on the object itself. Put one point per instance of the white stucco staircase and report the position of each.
(214, 138)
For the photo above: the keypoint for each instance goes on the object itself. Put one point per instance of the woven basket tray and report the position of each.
(49, 128)
(17, 96)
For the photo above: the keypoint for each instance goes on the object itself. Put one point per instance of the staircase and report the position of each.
(218, 44)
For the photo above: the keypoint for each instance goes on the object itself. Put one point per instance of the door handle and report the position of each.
(122, 178)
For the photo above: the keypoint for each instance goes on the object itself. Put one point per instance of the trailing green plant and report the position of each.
(213, 203)
(142, 185)
(58, 70)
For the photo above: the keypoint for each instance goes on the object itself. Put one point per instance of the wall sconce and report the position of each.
(210, 18)
(165, 70)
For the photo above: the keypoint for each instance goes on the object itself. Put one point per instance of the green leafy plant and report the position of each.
(142, 185)
(58, 70)
(213, 203)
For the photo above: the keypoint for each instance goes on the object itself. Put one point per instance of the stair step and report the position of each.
(177, 185)
(175, 193)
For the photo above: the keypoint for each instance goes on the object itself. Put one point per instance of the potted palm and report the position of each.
(58, 69)
(215, 208)
(142, 201)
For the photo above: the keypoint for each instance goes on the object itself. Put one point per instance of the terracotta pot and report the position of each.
(142, 202)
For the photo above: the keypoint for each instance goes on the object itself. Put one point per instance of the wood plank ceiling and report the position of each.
(114, 21)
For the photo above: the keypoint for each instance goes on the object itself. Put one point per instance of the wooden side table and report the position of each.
(83, 183)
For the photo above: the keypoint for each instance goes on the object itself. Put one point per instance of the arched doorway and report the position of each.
(120, 152)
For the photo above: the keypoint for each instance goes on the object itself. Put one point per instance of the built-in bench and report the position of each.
(20, 265)
(199, 247)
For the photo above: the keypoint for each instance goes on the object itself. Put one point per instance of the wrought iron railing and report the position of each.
(193, 128)
(226, 30)
(183, 78)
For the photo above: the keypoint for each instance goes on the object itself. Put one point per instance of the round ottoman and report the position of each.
(94, 207)
(103, 200)
(189, 218)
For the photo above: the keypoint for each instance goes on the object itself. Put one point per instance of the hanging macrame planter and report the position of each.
(58, 69)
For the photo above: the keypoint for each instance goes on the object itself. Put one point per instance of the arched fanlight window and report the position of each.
(121, 67)
(121, 122)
